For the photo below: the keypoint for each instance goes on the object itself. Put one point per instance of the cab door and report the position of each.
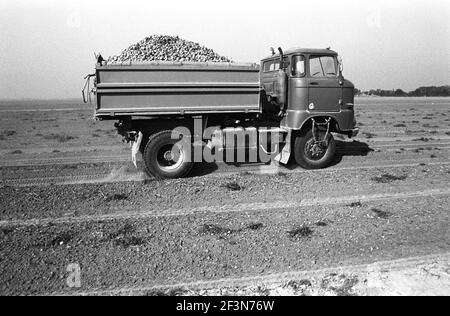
(324, 86)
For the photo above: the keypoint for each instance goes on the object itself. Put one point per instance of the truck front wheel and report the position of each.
(167, 158)
(312, 154)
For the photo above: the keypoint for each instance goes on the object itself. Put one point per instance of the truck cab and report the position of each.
(314, 100)
(314, 88)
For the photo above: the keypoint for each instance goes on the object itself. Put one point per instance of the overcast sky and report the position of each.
(47, 46)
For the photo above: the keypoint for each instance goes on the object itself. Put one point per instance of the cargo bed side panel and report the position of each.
(170, 89)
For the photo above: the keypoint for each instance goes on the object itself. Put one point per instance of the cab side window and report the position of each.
(322, 66)
(272, 65)
(298, 66)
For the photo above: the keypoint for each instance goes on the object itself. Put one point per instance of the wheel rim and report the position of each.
(170, 157)
(315, 150)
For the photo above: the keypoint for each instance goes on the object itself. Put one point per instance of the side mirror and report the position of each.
(341, 65)
(341, 69)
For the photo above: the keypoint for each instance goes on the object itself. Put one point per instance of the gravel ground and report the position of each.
(163, 250)
(90, 199)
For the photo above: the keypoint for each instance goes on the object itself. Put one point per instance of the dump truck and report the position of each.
(287, 107)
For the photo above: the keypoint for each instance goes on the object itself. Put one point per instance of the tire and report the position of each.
(162, 162)
(310, 157)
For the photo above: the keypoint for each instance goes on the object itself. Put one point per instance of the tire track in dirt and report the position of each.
(45, 110)
(119, 175)
(415, 138)
(250, 207)
(64, 161)
(372, 142)
(412, 149)
(81, 154)
(377, 272)
(337, 169)
(405, 131)
(60, 180)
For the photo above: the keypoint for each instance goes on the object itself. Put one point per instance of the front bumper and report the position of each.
(353, 133)
(350, 133)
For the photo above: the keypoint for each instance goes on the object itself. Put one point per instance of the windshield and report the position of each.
(322, 66)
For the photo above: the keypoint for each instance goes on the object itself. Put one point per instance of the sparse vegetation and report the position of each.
(213, 229)
(232, 186)
(126, 237)
(5, 134)
(162, 293)
(369, 135)
(62, 238)
(341, 285)
(299, 233)
(50, 240)
(60, 138)
(388, 178)
(5, 231)
(255, 226)
(380, 214)
(16, 152)
(299, 285)
(116, 197)
(9, 133)
(422, 139)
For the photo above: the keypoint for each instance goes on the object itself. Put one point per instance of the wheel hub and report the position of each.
(315, 150)
(169, 156)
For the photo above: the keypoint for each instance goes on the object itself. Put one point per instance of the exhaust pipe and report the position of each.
(281, 58)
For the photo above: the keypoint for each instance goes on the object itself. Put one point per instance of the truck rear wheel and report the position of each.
(166, 158)
(311, 154)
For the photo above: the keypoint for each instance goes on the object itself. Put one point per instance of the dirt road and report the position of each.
(375, 223)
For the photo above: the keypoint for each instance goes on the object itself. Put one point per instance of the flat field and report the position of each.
(375, 222)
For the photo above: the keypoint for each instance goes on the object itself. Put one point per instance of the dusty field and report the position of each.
(375, 223)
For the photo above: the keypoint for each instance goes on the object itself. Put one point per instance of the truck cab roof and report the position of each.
(308, 51)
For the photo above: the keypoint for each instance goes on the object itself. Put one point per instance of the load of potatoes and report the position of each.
(167, 48)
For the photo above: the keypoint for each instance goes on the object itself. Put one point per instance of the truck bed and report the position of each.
(166, 88)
